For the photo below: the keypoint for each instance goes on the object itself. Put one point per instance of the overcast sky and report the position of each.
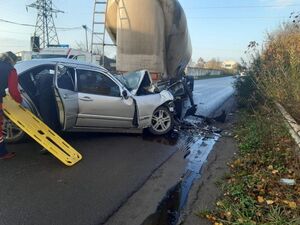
(218, 28)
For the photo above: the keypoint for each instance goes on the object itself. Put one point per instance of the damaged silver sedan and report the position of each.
(69, 95)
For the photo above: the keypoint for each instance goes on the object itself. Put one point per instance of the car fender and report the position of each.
(166, 96)
(148, 104)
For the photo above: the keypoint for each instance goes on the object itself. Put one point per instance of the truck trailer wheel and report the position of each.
(162, 121)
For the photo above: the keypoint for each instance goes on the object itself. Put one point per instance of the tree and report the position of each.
(213, 64)
(200, 63)
(191, 63)
(240, 67)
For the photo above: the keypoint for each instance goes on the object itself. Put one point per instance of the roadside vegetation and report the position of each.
(254, 192)
(274, 70)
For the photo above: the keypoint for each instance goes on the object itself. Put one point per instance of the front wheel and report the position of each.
(11, 132)
(162, 121)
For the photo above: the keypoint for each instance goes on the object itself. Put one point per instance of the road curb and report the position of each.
(205, 191)
(144, 202)
(293, 126)
(226, 105)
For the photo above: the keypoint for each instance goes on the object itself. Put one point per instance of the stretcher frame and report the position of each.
(40, 132)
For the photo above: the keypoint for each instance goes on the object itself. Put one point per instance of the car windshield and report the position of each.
(131, 80)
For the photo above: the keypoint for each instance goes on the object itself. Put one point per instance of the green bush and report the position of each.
(248, 95)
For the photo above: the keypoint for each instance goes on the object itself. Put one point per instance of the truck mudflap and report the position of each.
(40, 132)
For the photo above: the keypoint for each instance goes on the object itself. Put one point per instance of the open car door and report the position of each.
(66, 95)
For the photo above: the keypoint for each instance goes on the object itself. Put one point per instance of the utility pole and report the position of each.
(45, 28)
(86, 37)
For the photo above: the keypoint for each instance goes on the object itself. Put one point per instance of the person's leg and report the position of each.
(2, 145)
(3, 151)
(4, 154)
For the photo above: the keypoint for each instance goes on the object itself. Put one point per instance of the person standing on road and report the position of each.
(8, 79)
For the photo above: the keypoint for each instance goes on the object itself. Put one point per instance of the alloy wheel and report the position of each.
(11, 132)
(161, 121)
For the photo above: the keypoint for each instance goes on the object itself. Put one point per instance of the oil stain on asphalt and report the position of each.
(197, 140)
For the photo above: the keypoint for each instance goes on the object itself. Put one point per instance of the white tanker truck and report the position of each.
(152, 35)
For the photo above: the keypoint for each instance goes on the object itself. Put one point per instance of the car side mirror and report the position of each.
(125, 94)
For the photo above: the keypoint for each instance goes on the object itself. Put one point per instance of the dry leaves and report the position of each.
(292, 205)
(253, 190)
(260, 199)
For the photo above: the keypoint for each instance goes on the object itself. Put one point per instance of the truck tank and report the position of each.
(149, 34)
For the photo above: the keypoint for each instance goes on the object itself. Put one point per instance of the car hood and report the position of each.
(136, 80)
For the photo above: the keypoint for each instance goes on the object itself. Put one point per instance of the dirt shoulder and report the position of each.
(256, 191)
(206, 191)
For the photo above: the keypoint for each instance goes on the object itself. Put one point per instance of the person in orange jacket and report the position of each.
(8, 79)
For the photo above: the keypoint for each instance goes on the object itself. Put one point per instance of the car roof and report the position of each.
(26, 65)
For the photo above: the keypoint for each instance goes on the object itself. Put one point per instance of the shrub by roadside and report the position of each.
(253, 193)
(275, 69)
(248, 96)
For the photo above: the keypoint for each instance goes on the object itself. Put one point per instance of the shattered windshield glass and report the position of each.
(131, 80)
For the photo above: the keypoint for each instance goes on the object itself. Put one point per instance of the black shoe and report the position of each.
(8, 155)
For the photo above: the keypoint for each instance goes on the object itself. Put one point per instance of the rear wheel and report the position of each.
(12, 133)
(162, 121)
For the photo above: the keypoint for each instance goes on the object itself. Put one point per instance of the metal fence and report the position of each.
(199, 72)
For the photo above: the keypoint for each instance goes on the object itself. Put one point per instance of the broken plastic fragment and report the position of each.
(290, 182)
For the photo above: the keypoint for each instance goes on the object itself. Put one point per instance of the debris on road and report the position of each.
(290, 182)
(196, 138)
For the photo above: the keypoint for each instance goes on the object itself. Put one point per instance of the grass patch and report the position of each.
(253, 193)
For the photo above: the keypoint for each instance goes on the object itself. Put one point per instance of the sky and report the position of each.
(219, 29)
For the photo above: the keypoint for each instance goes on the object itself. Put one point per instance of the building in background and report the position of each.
(229, 64)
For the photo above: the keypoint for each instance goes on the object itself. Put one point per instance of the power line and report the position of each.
(15, 23)
(236, 18)
(244, 6)
(68, 28)
(31, 25)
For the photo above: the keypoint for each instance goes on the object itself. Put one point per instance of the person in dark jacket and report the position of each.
(46, 100)
(8, 79)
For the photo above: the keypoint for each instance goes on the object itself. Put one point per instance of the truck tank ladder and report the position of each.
(98, 30)
(40, 132)
(98, 42)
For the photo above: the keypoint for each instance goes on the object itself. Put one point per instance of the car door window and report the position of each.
(92, 82)
(66, 79)
(28, 80)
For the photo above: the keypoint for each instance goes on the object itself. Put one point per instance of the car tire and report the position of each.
(12, 133)
(162, 121)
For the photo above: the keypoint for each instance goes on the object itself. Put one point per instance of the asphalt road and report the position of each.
(210, 94)
(37, 189)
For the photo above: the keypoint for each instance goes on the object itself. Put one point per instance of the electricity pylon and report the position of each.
(45, 28)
